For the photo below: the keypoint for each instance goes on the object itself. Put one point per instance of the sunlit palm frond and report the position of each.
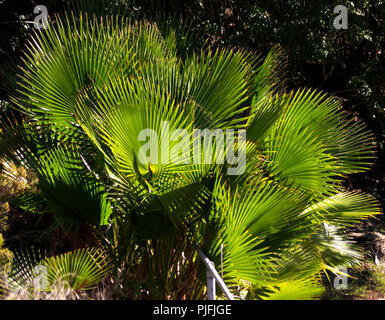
(81, 269)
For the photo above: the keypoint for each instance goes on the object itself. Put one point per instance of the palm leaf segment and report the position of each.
(81, 269)
(69, 187)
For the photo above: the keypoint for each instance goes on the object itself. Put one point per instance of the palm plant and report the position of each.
(31, 274)
(91, 86)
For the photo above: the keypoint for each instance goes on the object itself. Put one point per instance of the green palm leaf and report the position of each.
(106, 80)
(81, 269)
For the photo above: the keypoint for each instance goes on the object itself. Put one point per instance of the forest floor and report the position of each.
(366, 282)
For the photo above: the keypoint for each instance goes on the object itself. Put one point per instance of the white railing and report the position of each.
(213, 277)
